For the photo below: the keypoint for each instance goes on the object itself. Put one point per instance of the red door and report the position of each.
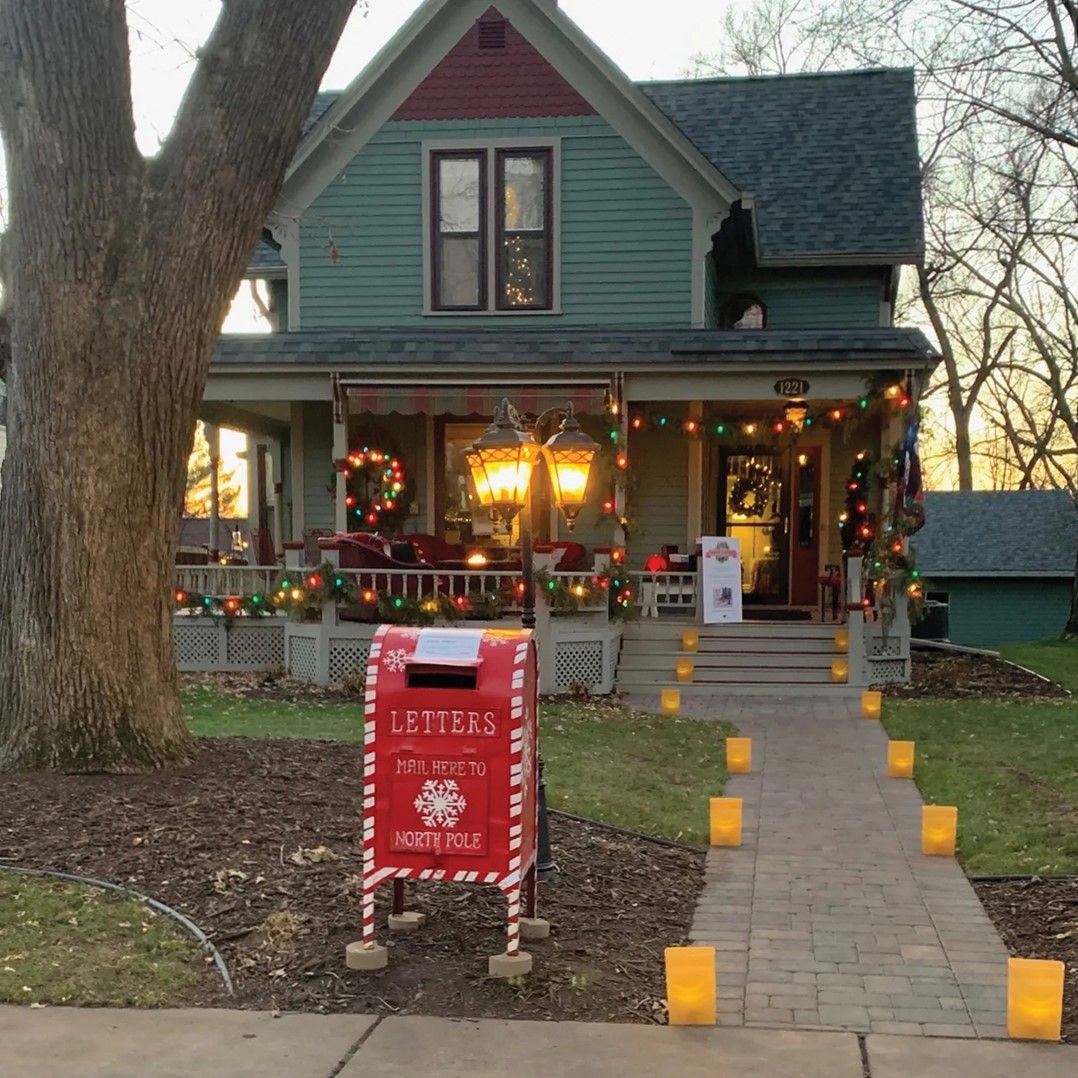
(804, 526)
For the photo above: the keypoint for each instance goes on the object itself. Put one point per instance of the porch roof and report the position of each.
(390, 350)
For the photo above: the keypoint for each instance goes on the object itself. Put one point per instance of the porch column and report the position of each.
(296, 462)
(213, 441)
(695, 522)
(278, 494)
(340, 451)
(619, 476)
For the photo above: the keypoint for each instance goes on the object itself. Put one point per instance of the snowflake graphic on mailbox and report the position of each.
(440, 803)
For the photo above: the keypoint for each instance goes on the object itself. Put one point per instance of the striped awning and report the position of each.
(466, 400)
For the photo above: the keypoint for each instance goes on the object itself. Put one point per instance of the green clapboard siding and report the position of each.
(403, 436)
(808, 299)
(626, 237)
(319, 477)
(659, 494)
(987, 612)
(711, 294)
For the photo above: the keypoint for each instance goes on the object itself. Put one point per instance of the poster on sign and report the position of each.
(721, 579)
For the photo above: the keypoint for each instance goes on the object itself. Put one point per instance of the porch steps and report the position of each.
(750, 659)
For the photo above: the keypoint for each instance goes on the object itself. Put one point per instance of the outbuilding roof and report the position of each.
(997, 533)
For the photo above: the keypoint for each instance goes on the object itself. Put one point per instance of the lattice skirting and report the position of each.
(210, 645)
(347, 657)
(887, 671)
(303, 658)
(590, 661)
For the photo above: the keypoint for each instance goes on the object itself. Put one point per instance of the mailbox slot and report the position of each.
(442, 676)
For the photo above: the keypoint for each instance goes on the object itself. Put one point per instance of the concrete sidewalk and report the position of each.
(70, 1043)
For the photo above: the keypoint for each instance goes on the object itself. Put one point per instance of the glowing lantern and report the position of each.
(690, 985)
(842, 640)
(477, 561)
(501, 464)
(671, 701)
(739, 755)
(939, 830)
(684, 669)
(690, 639)
(569, 455)
(871, 704)
(1034, 999)
(726, 821)
(840, 670)
(900, 759)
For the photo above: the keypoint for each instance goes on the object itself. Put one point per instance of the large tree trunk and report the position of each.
(119, 273)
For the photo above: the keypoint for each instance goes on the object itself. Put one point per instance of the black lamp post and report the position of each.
(502, 464)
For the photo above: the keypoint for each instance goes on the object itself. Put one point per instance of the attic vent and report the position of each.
(492, 35)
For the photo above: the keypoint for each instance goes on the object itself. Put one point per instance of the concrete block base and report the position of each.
(534, 928)
(357, 956)
(509, 965)
(406, 922)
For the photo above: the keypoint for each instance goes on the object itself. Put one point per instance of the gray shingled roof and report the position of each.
(471, 347)
(266, 260)
(832, 158)
(997, 533)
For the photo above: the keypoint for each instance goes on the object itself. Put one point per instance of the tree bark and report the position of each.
(119, 274)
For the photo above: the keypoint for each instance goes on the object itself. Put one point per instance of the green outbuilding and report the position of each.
(1003, 562)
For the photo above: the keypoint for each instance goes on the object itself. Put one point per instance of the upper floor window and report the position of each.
(504, 195)
(743, 312)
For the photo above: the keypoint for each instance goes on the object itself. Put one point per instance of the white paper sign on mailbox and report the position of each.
(721, 579)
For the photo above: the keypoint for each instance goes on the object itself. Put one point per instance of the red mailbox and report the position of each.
(450, 763)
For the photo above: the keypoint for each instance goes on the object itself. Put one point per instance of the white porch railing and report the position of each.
(223, 581)
(671, 592)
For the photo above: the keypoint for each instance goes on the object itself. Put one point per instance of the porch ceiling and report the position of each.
(395, 352)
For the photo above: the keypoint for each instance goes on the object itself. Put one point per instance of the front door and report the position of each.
(754, 508)
(805, 526)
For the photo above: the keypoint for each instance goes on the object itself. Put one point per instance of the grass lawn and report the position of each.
(1011, 767)
(65, 942)
(640, 771)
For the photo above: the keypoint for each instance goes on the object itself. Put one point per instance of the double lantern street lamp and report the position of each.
(502, 463)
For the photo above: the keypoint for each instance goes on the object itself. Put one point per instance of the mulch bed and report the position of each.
(1038, 918)
(953, 675)
(256, 843)
(274, 685)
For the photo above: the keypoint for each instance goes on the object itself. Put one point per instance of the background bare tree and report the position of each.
(998, 90)
(118, 271)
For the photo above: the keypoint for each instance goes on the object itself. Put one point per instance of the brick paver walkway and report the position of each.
(828, 914)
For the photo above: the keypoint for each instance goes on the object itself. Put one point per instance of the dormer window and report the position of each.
(743, 312)
(492, 229)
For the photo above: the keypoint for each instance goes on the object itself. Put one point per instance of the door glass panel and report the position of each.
(806, 497)
(754, 515)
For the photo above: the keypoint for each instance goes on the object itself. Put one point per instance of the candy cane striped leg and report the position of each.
(368, 914)
(513, 933)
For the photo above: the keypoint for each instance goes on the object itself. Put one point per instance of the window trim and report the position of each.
(490, 147)
(500, 231)
(437, 235)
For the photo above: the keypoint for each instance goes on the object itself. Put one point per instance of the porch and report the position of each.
(703, 433)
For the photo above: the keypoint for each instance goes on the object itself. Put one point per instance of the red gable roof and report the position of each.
(493, 72)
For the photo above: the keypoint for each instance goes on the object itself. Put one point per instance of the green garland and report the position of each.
(609, 587)
(234, 606)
